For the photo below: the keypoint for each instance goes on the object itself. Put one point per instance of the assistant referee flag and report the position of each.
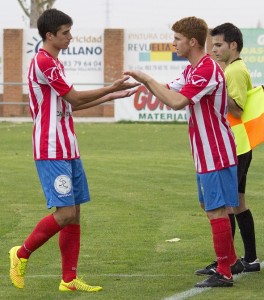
(249, 129)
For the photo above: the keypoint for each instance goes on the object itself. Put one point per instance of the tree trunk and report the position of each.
(34, 14)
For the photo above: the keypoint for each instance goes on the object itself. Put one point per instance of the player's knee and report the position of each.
(66, 215)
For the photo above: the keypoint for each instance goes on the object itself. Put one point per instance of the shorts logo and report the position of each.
(62, 184)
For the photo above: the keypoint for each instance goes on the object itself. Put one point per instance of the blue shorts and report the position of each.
(219, 188)
(63, 181)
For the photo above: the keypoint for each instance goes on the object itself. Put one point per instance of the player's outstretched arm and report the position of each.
(169, 97)
(78, 98)
(109, 97)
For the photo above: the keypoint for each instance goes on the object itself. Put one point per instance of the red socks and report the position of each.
(69, 241)
(223, 245)
(44, 230)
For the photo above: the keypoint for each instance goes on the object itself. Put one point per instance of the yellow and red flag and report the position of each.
(249, 129)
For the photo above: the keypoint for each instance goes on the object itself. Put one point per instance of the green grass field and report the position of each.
(143, 189)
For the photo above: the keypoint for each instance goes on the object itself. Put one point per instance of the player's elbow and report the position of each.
(179, 102)
(178, 105)
(236, 113)
(73, 98)
(175, 106)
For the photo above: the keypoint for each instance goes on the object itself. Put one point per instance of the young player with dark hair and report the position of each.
(56, 151)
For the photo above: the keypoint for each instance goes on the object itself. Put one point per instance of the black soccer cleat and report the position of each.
(216, 280)
(251, 267)
(237, 267)
(208, 270)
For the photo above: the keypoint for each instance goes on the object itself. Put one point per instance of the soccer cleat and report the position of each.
(251, 267)
(78, 285)
(208, 270)
(237, 267)
(216, 280)
(17, 268)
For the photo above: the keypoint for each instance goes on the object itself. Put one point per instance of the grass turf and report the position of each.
(143, 189)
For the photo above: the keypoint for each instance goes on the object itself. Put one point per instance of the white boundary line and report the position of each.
(195, 291)
(179, 296)
(100, 275)
(76, 119)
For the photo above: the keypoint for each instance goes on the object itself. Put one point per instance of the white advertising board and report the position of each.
(1, 60)
(83, 60)
(150, 51)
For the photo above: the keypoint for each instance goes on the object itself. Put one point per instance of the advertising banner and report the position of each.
(253, 53)
(1, 60)
(150, 51)
(83, 59)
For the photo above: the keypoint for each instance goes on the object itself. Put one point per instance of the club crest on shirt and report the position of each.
(51, 74)
(62, 184)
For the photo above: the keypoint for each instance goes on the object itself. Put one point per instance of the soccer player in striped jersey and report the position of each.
(56, 152)
(201, 90)
(227, 42)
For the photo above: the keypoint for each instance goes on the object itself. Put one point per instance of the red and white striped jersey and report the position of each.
(212, 141)
(53, 132)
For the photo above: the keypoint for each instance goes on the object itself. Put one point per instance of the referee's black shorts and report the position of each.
(244, 161)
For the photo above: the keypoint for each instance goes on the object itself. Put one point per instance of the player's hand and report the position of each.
(123, 84)
(139, 76)
(123, 94)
